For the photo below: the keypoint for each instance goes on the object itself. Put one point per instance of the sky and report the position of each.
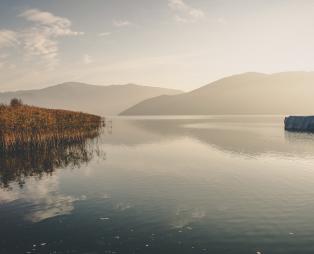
(182, 44)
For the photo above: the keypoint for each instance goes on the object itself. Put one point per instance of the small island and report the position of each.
(28, 126)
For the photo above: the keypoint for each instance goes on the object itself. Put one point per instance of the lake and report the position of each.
(223, 184)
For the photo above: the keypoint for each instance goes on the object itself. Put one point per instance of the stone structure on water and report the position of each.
(299, 123)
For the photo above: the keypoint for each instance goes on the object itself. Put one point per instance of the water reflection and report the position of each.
(248, 136)
(37, 161)
(215, 185)
(28, 174)
(42, 197)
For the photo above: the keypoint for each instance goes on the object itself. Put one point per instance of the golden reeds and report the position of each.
(23, 125)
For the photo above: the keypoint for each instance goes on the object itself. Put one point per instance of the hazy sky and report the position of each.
(170, 43)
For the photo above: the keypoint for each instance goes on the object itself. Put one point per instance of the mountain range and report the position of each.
(248, 93)
(100, 100)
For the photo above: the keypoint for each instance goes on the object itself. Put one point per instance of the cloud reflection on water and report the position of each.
(43, 198)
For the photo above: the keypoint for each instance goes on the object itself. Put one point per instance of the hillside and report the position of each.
(248, 93)
(100, 100)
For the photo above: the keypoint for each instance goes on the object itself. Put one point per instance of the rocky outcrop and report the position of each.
(299, 123)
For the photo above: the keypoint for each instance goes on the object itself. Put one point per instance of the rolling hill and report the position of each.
(100, 100)
(248, 93)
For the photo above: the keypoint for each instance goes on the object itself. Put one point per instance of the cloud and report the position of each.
(184, 13)
(37, 42)
(41, 39)
(121, 23)
(104, 34)
(222, 20)
(8, 38)
(4, 62)
(55, 26)
(44, 17)
(87, 59)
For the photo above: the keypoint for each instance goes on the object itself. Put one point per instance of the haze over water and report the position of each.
(224, 184)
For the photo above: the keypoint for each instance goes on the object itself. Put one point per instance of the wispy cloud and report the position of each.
(222, 20)
(3, 59)
(121, 23)
(42, 39)
(58, 26)
(8, 38)
(87, 59)
(185, 13)
(104, 34)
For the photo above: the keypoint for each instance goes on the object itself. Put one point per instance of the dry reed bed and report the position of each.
(25, 125)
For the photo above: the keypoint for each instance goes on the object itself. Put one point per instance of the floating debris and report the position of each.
(83, 197)
(105, 196)
(104, 218)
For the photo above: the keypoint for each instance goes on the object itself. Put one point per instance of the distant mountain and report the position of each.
(248, 93)
(101, 100)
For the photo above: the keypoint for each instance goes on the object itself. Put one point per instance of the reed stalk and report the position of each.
(23, 125)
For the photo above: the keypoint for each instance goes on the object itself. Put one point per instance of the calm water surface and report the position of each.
(172, 185)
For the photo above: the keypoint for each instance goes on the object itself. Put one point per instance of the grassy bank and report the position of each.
(23, 125)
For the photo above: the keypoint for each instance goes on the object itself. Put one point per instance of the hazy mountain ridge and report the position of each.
(248, 93)
(101, 100)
